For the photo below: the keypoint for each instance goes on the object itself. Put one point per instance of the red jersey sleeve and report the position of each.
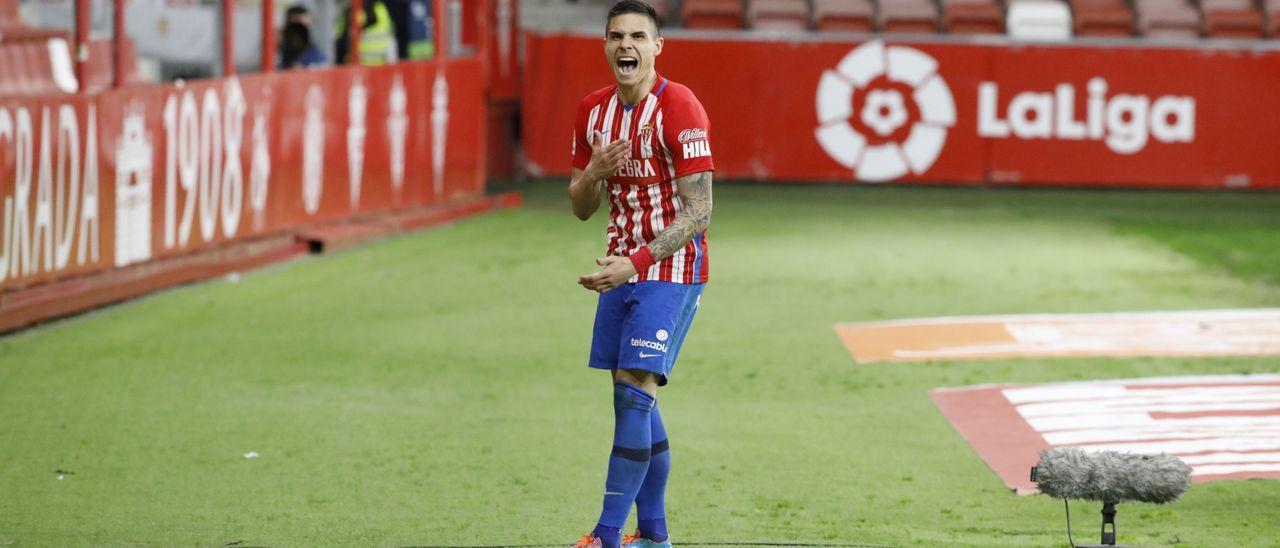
(581, 150)
(686, 132)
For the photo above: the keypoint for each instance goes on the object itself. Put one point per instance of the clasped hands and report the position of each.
(615, 272)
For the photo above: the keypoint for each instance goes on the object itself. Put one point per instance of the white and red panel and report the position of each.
(1226, 427)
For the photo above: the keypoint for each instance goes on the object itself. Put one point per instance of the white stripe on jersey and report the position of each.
(677, 265)
(615, 219)
(656, 224)
(661, 138)
(624, 131)
(671, 164)
(591, 125)
(633, 200)
(607, 127)
(646, 146)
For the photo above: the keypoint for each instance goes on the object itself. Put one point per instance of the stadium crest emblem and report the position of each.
(884, 111)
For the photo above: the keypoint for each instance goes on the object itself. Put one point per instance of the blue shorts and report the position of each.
(642, 325)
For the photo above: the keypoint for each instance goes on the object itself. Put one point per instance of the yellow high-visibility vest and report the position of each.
(377, 41)
(422, 49)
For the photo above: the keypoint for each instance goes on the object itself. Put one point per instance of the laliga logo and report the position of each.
(1124, 122)
(876, 77)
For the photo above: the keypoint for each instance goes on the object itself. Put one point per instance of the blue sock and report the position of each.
(650, 505)
(610, 537)
(632, 443)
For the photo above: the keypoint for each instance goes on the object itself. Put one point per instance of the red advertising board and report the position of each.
(503, 50)
(93, 183)
(942, 112)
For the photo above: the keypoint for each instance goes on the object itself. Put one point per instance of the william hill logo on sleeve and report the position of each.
(695, 143)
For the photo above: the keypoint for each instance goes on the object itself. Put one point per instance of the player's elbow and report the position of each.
(582, 211)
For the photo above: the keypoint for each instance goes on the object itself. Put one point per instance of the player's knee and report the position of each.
(646, 380)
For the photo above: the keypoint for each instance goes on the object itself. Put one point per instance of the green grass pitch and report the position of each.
(431, 389)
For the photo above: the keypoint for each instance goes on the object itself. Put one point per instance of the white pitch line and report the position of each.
(1192, 405)
(1189, 381)
(1054, 393)
(1192, 446)
(1248, 314)
(1230, 458)
(1215, 469)
(1141, 420)
(1076, 437)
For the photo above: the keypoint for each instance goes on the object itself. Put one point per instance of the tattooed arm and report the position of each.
(694, 217)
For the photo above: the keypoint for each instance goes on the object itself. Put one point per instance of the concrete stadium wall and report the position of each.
(93, 184)
(826, 109)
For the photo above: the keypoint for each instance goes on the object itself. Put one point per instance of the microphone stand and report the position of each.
(1109, 518)
(1108, 536)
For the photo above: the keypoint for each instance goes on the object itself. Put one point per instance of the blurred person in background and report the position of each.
(297, 50)
(415, 28)
(377, 34)
(298, 13)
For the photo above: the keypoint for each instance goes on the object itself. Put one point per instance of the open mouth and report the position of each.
(628, 65)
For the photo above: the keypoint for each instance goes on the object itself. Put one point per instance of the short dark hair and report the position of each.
(633, 6)
(296, 9)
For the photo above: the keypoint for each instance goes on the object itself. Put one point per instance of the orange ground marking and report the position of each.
(870, 344)
(1248, 332)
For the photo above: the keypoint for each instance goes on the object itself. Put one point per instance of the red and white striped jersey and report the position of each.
(670, 138)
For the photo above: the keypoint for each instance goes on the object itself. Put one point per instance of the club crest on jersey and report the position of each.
(646, 141)
(637, 168)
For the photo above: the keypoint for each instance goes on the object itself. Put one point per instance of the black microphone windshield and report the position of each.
(1108, 476)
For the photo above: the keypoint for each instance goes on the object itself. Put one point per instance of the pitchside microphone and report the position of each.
(1110, 478)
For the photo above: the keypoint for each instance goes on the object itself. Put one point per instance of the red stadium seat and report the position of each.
(712, 14)
(664, 10)
(1168, 19)
(26, 68)
(9, 80)
(778, 15)
(1272, 18)
(12, 29)
(908, 16)
(1231, 19)
(1038, 20)
(973, 16)
(28, 34)
(1102, 18)
(844, 15)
